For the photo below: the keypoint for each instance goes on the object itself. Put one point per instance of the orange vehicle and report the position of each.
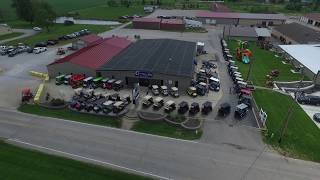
(76, 80)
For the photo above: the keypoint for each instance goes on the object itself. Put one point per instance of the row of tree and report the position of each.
(35, 12)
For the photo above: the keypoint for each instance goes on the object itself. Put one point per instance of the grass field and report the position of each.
(59, 30)
(70, 115)
(302, 137)
(60, 6)
(18, 163)
(263, 62)
(11, 35)
(164, 129)
(109, 13)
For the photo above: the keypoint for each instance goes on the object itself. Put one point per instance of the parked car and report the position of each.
(155, 90)
(316, 117)
(37, 29)
(52, 42)
(310, 100)
(41, 44)
(38, 50)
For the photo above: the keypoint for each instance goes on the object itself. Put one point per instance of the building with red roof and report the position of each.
(241, 18)
(172, 24)
(87, 40)
(88, 59)
(146, 23)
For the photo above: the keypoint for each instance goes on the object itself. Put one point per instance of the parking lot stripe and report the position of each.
(89, 159)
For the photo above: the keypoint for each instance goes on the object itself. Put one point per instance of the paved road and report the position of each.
(166, 158)
(26, 33)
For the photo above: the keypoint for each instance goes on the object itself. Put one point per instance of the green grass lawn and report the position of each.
(164, 129)
(70, 115)
(59, 30)
(109, 13)
(11, 35)
(18, 163)
(302, 137)
(263, 63)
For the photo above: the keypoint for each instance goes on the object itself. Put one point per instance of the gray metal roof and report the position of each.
(163, 56)
(299, 33)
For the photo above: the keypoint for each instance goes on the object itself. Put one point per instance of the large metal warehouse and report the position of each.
(154, 61)
(241, 18)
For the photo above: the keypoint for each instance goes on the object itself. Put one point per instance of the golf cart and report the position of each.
(118, 107)
(87, 82)
(194, 108)
(66, 79)
(60, 79)
(224, 109)
(97, 82)
(155, 90)
(169, 106)
(214, 84)
(76, 80)
(183, 107)
(206, 107)
(158, 103)
(104, 83)
(110, 83)
(241, 111)
(88, 107)
(107, 106)
(79, 105)
(164, 90)
(147, 101)
(201, 88)
(192, 91)
(114, 97)
(245, 99)
(118, 85)
(174, 92)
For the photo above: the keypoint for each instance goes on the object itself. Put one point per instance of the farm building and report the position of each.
(247, 33)
(241, 18)
(295, 33)
(88, 59)
(172, 24)
(312, 19)
(306, 58)
(86, 41)
(146, 23)
(153, 61)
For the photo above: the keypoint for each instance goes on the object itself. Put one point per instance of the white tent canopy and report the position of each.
(307, 55)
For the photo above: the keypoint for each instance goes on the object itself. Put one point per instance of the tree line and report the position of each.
(36, 12)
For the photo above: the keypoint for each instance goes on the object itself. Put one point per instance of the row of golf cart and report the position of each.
(80, 80)
(87, 100)
(170, 105)
(164, 91)
(241, 87)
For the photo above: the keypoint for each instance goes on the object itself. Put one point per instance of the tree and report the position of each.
(24, 9)
(44, 14)
(1, 15)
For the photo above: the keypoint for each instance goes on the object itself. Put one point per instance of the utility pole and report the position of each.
(286, 122)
